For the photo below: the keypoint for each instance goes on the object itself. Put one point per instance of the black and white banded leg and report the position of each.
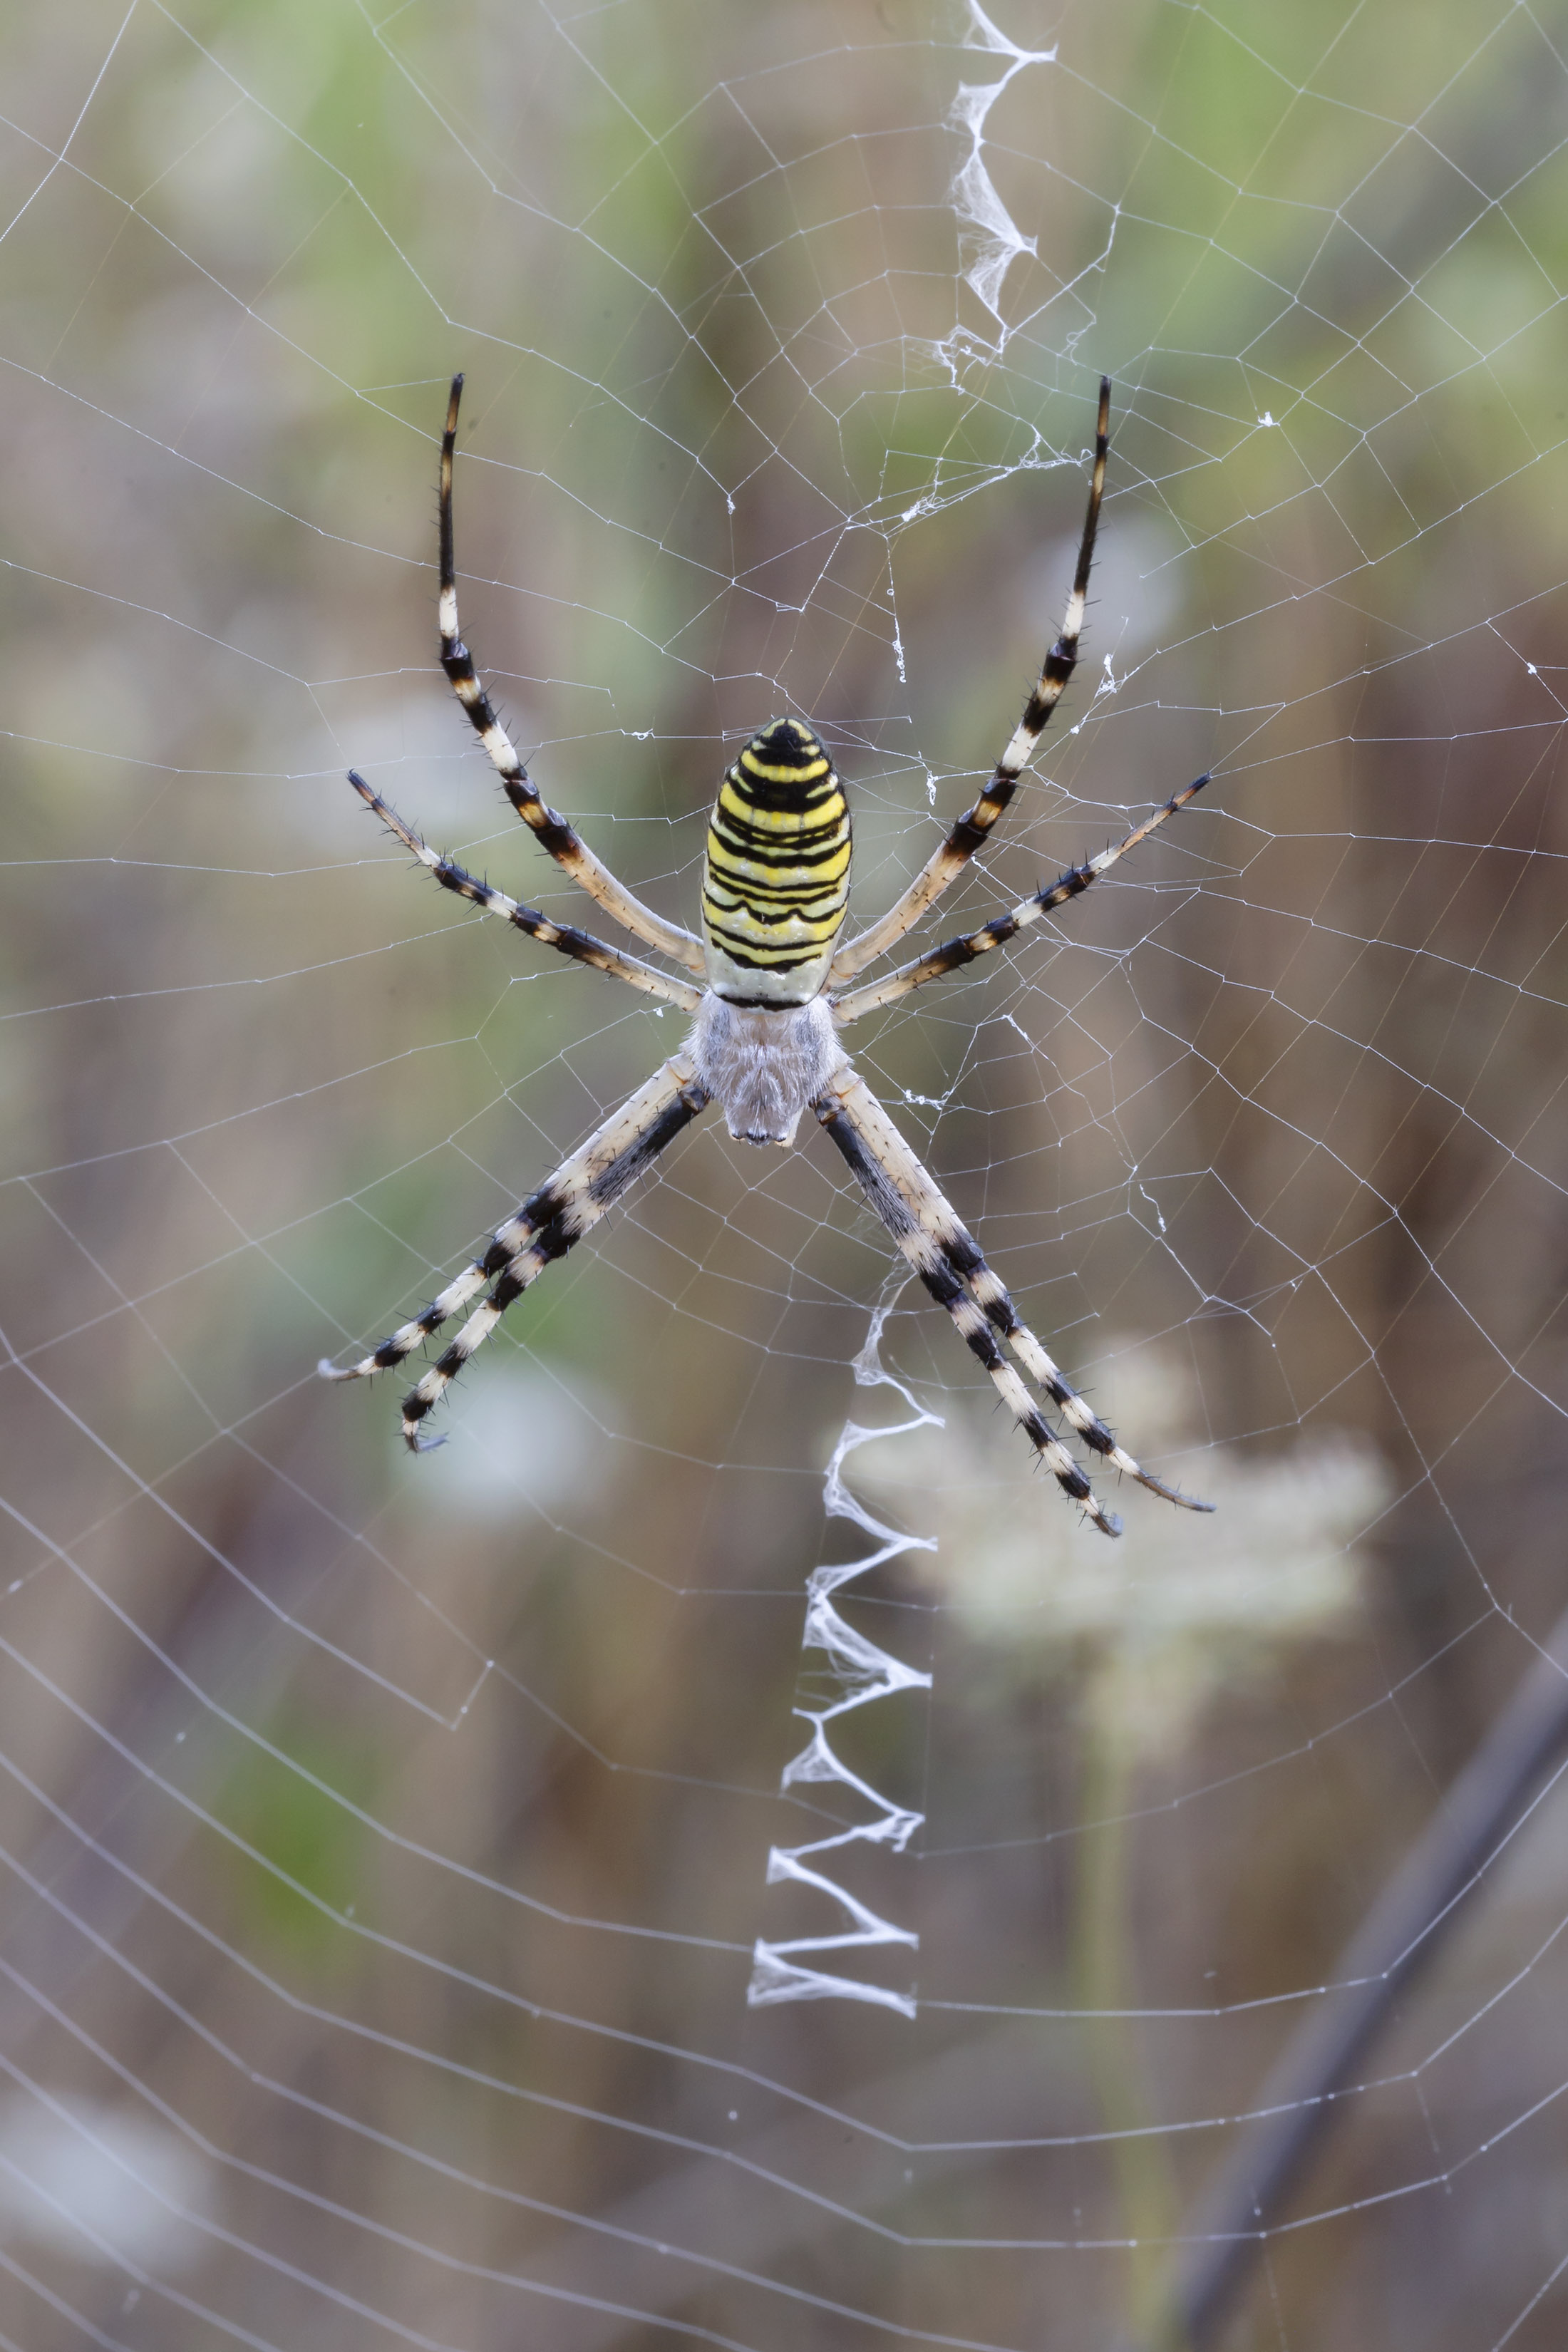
(548, 1224)
(990, 1294)
(974, 828)
(581, 946)
(549, 827)
(953, 954)
(930, 1233)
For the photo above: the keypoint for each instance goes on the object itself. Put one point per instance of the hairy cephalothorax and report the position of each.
(768, 996)
(763, 1063)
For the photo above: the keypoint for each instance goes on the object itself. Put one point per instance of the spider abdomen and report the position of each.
(776, 882)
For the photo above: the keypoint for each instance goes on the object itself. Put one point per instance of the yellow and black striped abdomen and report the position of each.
(778, 877)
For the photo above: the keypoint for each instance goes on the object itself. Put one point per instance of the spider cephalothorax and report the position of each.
(763, 1044)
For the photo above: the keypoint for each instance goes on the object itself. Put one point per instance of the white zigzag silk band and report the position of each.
(861, 1673)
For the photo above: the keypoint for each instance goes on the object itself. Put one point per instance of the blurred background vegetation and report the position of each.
(385, 1839)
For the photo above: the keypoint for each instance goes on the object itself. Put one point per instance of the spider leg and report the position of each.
(953, 954)
(928, 1230)
(550, 829)
(566, 1207)
(566, 937)
(990, 1295)
(973, 826)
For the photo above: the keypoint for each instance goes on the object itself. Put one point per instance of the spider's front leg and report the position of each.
(974, 828)
(548, 826)
(931, 1235)
(566, 1207)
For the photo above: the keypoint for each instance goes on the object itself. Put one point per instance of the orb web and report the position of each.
(387, 1840)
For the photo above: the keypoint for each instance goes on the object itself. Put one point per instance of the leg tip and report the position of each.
(326, 1370)
(1171, 1494)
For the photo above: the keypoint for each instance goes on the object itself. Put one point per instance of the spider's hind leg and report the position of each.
(990, 1295)
(927, 1230)
(568, 1204)
(586, 1187)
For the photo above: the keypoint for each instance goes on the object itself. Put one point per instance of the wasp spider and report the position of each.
(767, 989)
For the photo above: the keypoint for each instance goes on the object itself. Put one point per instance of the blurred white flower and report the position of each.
(102, 2184)
(1185, 1604)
